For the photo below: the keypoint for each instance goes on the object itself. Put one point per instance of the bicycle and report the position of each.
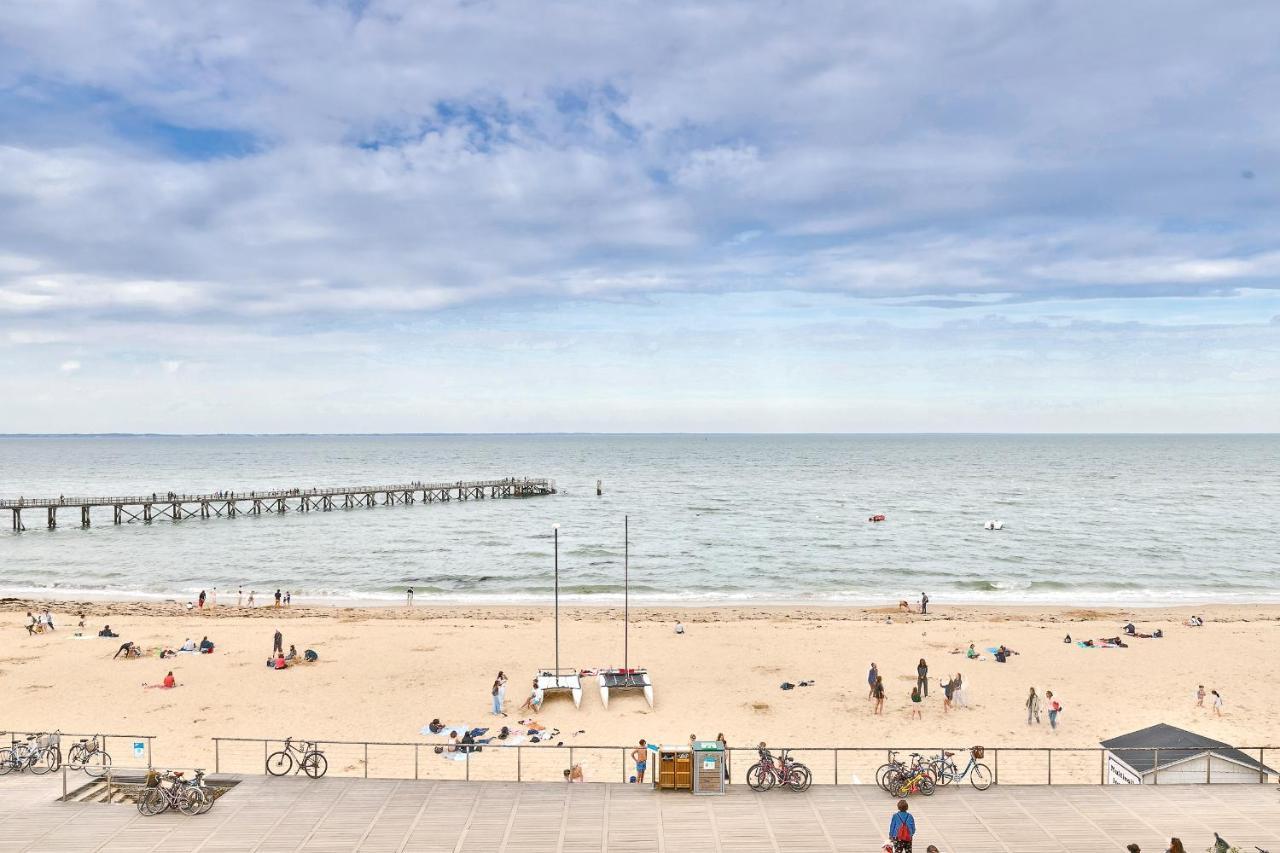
(891, 772)
(168, 790)
(917, 778)
(88, 755)
(310, 759)
(40, 754)
(979, 775)
(783, 770)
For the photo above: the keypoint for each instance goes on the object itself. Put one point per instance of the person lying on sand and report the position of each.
(168, 684)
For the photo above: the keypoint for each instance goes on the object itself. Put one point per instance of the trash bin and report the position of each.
(675, 768)
(708, 767)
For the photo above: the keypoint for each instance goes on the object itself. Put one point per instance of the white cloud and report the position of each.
(69, 366)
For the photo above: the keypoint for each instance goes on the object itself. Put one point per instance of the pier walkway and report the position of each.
(266, 814)
(127, 509)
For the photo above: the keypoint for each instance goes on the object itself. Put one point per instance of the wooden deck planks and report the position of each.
(387, 816)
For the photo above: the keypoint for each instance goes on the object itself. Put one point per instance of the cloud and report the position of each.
(318, 172)
(69, 366)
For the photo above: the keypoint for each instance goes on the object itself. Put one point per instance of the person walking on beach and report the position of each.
(251, 595)
(640, 755)
(288, 598)
(948, 693)
(200, 600)
(877, 690)
(924, 603)
(872, 675)
(277, 604)
(408, 597)
(915, 704)
(1055, 708)
(902, 828)
(1200, 696)
(922, 678)
(239, 596)
(962, 692)
(1033, 707)
(1217, 703)
(277, 643)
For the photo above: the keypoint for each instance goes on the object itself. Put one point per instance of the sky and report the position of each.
(634, 216)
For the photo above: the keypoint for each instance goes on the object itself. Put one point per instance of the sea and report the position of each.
(709, 519)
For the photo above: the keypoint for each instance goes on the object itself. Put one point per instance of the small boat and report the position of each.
(993, 525)
(878, 517)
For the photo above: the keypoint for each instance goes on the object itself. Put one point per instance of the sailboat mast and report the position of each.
(557, 533)
(626, 588)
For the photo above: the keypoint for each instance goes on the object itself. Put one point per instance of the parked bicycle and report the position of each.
(40, 754)
(168, 790)
(88, 755)
(309, 759)
(784, 770)
(890, 774)
(978, 774)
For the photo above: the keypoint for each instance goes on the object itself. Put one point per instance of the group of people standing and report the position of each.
(1035, 704)
(955, 692)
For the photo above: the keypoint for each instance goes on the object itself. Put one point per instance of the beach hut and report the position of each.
(1167, 755)
(556, 679)
(625, 677)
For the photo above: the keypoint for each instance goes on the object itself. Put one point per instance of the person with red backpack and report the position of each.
(902, 828)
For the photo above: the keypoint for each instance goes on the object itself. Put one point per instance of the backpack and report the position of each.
(904, 831)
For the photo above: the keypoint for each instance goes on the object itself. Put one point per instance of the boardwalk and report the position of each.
(354, 814)
(127, 509)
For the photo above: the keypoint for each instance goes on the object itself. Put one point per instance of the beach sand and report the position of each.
(384, 673)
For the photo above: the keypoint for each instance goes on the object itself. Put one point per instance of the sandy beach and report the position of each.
(384, 673)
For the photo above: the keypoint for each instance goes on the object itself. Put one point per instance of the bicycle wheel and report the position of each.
(945, 774)
(800, 778)
(279, 763)
(152, 802)
(926, 786)
(980, 777)
(44, 761)
(208, 800)
(76, 757)
(315, 765)
(192, 801)
(759, 778)
(96, 764)
(881, 772)
(6, 760)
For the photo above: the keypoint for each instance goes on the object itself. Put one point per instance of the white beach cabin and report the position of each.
(1167, 755)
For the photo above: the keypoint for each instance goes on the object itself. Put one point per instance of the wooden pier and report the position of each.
(178, 507)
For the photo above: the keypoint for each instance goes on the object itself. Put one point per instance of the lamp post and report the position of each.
(626, 589)
(556, 531)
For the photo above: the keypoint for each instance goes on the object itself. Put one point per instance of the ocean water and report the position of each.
(713, 519)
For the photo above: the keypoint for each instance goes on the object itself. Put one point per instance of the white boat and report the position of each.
(623, 679)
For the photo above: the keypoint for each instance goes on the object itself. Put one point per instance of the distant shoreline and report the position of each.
(650, 612)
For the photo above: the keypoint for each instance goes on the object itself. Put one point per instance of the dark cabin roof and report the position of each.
(1175, 745)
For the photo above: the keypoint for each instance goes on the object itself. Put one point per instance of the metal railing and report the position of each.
(69, 739)
(841, 765)
(173, 497)
(115, 780)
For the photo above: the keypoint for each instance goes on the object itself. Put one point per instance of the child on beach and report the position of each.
(915, 704)
(640, 755)
(902, 828)
(1055, 708)
(1200, 696)
(168, 684)
(877, 690)
(1217, 703)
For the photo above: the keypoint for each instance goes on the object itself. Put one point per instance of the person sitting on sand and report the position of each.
(1130, 629)
(168, 684)
(293, 653)
(107, 632)
(534, 702)
(574, 774)
(206, 647)
(435, 726)
(971, 653)
(188, 645)
(280, 662)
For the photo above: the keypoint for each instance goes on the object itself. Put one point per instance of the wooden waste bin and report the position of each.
(708, 767)
(675, 768)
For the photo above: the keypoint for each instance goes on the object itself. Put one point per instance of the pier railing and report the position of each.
(842, 765)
